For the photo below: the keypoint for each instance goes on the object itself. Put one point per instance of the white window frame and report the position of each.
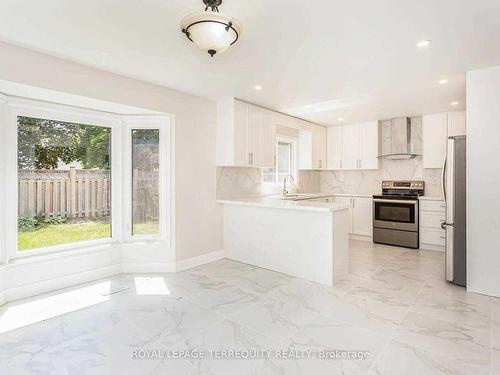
(161, 123)
(293, 161)
(121, 177)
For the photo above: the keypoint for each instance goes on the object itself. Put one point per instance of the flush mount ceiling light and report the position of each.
(210, 30)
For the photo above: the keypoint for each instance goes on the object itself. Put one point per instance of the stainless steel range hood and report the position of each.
(400, 138)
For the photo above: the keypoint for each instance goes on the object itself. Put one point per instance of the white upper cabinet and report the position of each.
(436, 128)
(268, 139)
(368, 142)
(319, 147)
(434, 135)
(334, 147)
(353, 146)
(312, 146)
(456, 123)
(350, 147)
(245, 135)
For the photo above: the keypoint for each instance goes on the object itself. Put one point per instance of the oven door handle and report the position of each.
(394, 201)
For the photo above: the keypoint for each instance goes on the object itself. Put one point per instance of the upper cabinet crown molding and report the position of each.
(352, 147)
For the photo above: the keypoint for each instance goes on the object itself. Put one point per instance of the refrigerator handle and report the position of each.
(443, 178)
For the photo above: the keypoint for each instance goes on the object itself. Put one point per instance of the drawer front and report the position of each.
(431, 219)
(433, 236)
(434, 206)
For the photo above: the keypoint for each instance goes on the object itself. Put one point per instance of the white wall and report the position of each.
(483, 181)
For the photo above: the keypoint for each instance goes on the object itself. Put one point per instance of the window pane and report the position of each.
(64, 182)
(284, 157)
(145, 181)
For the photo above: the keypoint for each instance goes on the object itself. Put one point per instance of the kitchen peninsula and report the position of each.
(307, 238)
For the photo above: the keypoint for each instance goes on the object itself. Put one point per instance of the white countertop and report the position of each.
(350, 195)
(287, 204)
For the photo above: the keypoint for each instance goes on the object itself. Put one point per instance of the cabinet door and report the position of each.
(319, 147)
(456, 123)
(334, 147)
(254, 136)
(368, 140)
(362, 216)
(305, 149)
(434, 134)
(240, 148)
(268, 140)
(347, 201)
(350, 147)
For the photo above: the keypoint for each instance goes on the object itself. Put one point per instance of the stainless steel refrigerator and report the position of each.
(454, 189)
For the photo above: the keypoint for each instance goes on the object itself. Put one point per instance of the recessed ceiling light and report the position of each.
(454, 103)
(443, 81)
(424, 43)
(340, 119)
(257, 87)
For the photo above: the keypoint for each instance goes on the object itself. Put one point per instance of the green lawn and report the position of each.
(56, 234)
(46, 235)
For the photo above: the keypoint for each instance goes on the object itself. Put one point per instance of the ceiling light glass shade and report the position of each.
(212, 32)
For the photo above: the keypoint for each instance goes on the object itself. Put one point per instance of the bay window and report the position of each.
(82, 178)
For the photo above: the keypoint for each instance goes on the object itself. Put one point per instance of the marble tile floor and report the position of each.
(394, 307)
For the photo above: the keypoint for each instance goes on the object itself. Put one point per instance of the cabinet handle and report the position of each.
(320, 163)
(249, 158)
(341, 164)
(352, 200)
(359, 163)
(252, 158)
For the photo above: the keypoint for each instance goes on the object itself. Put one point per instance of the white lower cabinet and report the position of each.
(360, 214)
(432, 214)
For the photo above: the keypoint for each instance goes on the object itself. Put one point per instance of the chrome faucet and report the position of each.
(292, 180)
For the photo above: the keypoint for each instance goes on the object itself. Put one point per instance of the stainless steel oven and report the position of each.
(395, 213)
(398, 214)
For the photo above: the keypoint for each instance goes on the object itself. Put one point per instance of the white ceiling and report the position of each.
(320, 60)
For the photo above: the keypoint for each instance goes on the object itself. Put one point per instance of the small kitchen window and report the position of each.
(285, 163)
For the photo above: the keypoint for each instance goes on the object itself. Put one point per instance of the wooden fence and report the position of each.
(72, 193)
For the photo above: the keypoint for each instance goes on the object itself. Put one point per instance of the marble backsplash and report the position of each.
(234, 182)
(369, 181)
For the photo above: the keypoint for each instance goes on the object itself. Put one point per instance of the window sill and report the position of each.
(46, 254)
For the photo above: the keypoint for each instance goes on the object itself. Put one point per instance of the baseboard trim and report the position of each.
(426, 246)
(360, 237)
(148, 267)
(199, 260)
(52, 285)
